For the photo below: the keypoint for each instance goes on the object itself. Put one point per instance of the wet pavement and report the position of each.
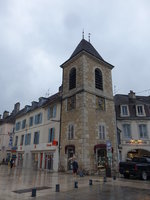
(23, 181)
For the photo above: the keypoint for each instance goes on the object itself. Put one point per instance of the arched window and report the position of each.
(72, 79)
(98, 79)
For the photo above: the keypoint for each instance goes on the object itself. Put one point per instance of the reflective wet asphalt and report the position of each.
(12, 180)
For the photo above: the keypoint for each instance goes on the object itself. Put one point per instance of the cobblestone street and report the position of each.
(11, 181)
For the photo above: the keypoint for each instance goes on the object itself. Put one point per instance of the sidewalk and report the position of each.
(22, 179)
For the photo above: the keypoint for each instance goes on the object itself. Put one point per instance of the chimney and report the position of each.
(5, 114)
(16, 107)
(132, 96)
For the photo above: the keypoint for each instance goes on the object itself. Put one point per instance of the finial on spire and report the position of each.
(83, 34)
(89, 36)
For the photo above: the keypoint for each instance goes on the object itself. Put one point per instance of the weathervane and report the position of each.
(89, 36)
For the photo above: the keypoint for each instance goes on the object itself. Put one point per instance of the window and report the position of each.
(51, 135)
(140, 110)
(28, 139)
(124, 110)
(38, 118)
(72, 79)
(98, 79)
(18, 124)
(22, 140)
(16, 140)
(126, 130)
(143, 131)
(51, 112)
(71, 132)
(36, 137)
(71, 102)
(102, 132)
(100, 101)
(31, 121)
(23, 123)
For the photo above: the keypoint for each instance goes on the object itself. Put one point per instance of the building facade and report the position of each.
(37, 132)
(7, 133)
(88, 129)
(133, 123)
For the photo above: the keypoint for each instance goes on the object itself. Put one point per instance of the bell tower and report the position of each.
(88, 116)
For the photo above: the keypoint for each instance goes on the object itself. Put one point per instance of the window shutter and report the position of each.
(40, 118)
(35, 120)
(26, 139)
(49, 135)
(38, 138)
(54, 111)
(48, 113)
(29, 138)
(53, 133)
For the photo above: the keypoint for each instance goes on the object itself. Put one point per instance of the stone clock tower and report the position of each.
(88, 130)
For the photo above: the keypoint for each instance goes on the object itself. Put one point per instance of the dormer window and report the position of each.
(140, 110)
(124, 110)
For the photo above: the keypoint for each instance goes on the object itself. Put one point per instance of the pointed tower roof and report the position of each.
(86, 46)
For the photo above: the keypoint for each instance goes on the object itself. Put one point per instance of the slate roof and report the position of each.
(36, 105)
(86, 47)
(121, 99)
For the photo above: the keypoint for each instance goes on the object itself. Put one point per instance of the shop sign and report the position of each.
(48, 145)
(108, 145)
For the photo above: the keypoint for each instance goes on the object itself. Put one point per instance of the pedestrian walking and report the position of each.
(75, 167)
(11, 163)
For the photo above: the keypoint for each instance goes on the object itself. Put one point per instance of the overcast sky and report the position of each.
(37, 36)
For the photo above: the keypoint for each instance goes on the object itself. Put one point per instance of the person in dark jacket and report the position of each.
(11, 163)
(75, 167)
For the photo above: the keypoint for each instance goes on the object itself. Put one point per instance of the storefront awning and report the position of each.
(99, 146)
(71, 146)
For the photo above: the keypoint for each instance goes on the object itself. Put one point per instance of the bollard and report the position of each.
(105, 179)
(57, 187)
(33, 192)
(90, 182)
(75, 184)
(114, 177)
